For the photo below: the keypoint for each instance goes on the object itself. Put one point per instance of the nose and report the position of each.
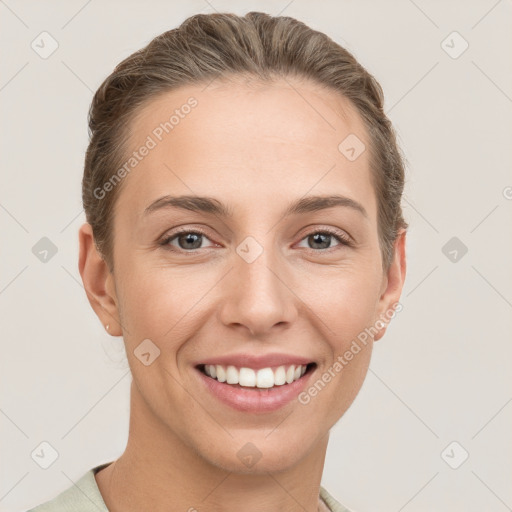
(257, 297)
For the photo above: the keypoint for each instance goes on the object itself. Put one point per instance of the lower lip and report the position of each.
(254, 400)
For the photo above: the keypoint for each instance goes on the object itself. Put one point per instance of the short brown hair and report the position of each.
(208, 46)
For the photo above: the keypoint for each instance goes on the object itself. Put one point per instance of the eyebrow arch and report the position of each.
(215, 207)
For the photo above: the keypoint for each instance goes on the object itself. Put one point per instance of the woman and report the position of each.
(244, 235)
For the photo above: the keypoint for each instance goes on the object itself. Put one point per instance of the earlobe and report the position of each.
(394, 280)
(98, 281)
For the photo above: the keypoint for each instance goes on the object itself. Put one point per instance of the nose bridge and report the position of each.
(257, 297)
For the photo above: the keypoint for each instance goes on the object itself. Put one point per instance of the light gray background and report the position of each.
(441, 374)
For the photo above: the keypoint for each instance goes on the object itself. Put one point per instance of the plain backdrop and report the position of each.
(430, 429)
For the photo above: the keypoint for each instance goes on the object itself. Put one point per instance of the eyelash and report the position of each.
(341, 237)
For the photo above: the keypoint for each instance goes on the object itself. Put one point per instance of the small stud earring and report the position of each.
(107, 327)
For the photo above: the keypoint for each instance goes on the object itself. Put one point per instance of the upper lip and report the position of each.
(256, 361)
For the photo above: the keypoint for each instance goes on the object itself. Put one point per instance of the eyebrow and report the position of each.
(213, 206)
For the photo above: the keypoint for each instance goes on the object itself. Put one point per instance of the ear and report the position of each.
(98, 281)
(392, 284)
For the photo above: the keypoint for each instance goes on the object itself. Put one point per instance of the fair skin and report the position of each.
(256, 149)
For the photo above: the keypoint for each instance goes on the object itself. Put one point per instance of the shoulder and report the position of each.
(331, 503)
(82, 496)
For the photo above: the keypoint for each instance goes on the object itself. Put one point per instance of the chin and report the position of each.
(269, 463)
(253, 453)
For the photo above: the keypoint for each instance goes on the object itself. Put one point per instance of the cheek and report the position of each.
(346, 303)
(159, 302)
(346, 309)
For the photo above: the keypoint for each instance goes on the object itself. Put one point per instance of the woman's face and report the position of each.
(258, 279)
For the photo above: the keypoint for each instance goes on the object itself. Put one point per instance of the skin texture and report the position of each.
(256, 148)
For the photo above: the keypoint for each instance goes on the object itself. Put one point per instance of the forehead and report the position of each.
(247, 142)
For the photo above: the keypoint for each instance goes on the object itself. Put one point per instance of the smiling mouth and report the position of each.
(263, 378)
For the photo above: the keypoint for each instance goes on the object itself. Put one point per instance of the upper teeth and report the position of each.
(263, 378)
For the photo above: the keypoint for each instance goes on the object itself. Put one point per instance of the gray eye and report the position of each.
(320, 240)
(190, 240)
(187, 240)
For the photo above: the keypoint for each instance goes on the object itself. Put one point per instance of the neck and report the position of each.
(157, 469)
